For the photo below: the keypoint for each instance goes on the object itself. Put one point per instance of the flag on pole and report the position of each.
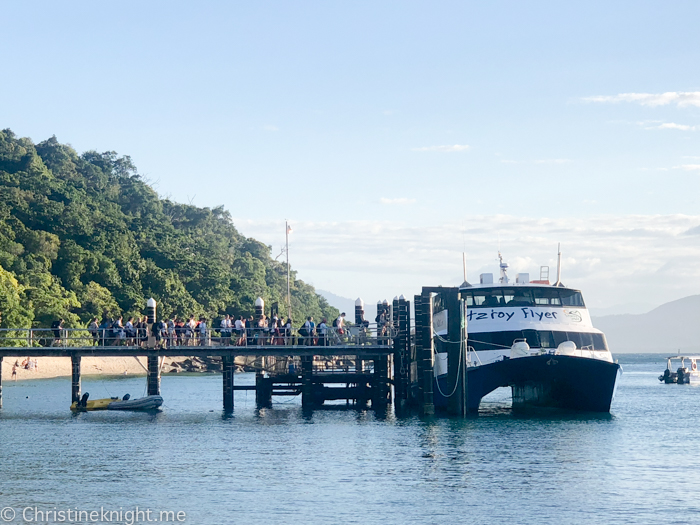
(289, 229)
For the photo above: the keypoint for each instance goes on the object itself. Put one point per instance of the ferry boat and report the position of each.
(536, 338)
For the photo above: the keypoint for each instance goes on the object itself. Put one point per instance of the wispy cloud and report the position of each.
(680, 98)
(655, 124)
(400, 200)
(444, 149)
(552, 161)
(673, 125)
(538, 161)
(687, 167)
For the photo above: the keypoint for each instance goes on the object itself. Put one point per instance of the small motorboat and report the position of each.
(114, 403)
(683, 375)
(142, 403)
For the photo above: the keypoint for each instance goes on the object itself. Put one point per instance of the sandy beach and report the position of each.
(60, 366)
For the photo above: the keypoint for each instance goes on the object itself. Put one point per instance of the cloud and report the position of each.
(655, 124)
(552, 161)
(270, 127)
(400, 200)
(687, 167)
(444, 149)
(614, 259)
(680, 98)
(673, 125)
(539, 161)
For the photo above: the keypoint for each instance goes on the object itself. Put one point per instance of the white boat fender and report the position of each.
(519, 349)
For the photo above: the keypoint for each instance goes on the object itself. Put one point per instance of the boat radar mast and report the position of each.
(503, 266)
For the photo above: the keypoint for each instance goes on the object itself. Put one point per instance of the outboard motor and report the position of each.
(83, 400)
(126, 397)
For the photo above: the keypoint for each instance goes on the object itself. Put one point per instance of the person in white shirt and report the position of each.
(226, 330)
(322, 330)
(240, 330)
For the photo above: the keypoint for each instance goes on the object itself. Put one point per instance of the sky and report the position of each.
(394, 135)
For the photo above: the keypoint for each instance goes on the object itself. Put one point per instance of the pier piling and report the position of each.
(75, 378)
(426, 357)
(307, 392)
(402, 354)
(456, 354)
(153, 376)
(228, 371)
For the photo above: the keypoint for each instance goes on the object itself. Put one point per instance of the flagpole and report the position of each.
(286, 250)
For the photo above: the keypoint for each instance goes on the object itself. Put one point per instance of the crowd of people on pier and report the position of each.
(231, 330)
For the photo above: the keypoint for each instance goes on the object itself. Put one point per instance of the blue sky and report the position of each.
(358, 120)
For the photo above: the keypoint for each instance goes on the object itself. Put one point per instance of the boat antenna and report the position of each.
(503, 266)
(464, 268)
(558, 283)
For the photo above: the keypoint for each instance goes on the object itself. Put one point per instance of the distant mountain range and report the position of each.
(348, 305)
(670, 328)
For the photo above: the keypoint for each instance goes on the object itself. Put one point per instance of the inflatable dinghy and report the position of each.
(142, 403)
(114, 403)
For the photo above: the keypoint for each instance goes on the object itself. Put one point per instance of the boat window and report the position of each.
(546, 339)
(599, 342)
(519, 297)
(586, 341)
(559, 338)
(523, 296)
(547, 297)
(571, 297)
(508, 297)
(532, 338)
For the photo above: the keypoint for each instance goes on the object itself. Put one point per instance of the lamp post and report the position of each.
(287, 231)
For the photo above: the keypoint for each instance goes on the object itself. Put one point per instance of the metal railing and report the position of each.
(181, 337)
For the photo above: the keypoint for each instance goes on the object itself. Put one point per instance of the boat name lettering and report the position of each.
(527, 313)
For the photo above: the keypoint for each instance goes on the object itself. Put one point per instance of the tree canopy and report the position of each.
(84, 236)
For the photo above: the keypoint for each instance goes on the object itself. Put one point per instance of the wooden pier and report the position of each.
(388, 362)
(361, 386)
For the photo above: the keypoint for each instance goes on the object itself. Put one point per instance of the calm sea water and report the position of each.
(636, 465)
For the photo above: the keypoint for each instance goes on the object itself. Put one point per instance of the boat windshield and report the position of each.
(522, 296)
(536, 339)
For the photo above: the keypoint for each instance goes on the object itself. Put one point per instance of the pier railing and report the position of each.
(248, 337)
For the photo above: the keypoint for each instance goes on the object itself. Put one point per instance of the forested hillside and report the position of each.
(84, 235)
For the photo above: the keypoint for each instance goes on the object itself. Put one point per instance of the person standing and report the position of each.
(130, 332)
(203, 333)
(171, 332)
(322, 332)
(94, 331)
(57, 327)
